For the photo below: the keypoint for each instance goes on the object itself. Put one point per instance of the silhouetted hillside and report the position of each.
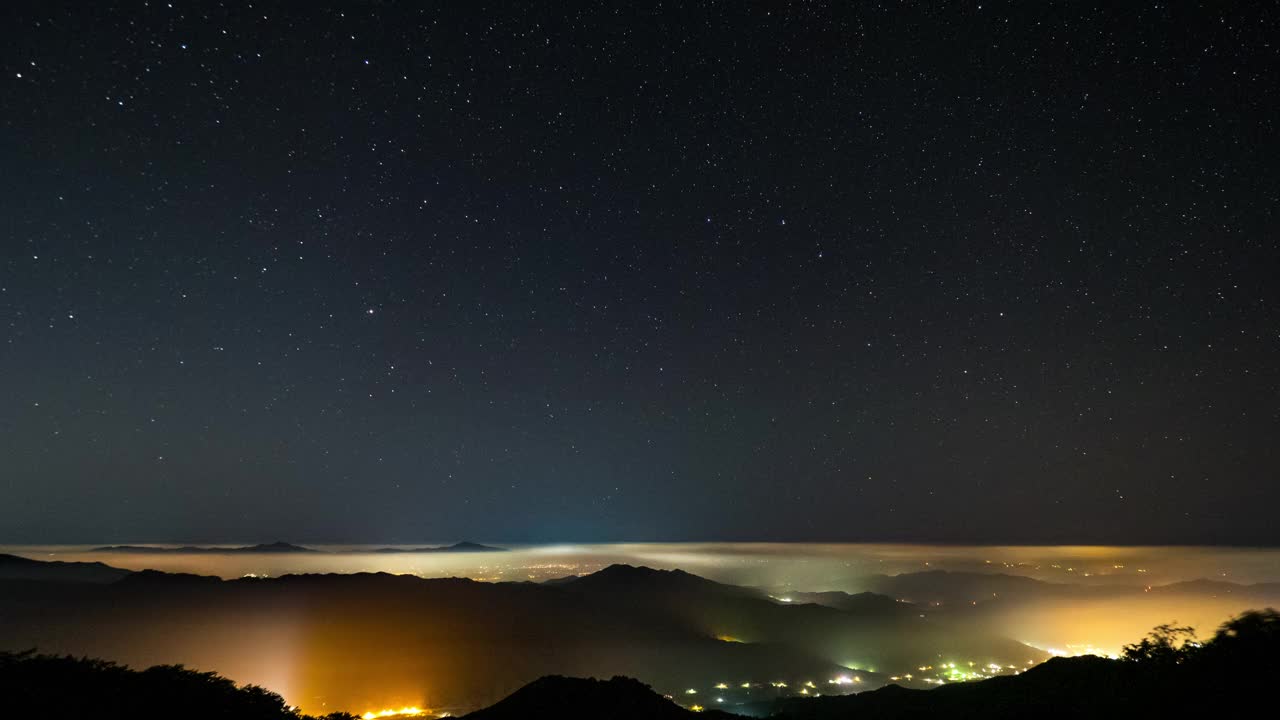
(951, 588)
(1060, 687)
(156, 581)
(48, 687)
(13, 567)
(1164, 676)
(868, 603)
(1161, 677)
(1258, 592)
(944, 587)
(563, 698)
(621, 578)
(874, 635)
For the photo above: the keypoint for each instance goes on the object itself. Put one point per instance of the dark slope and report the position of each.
(959, 589)
(621, 577)
(1082, 687)
(864, 603)
(1071, 687)
(1227, 676)
(13, 567)
(156, 581)
(563, 698)
(952, 588)
(1260, 593)
(890, 639)
(53, 688)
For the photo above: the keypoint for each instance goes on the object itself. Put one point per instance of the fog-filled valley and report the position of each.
(354, 628)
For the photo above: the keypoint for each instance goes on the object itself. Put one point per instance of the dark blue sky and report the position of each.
(406, 272)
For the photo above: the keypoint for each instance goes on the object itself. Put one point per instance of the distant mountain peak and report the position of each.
(623, 570)
(468, 546)
(621, 575)
(279, 546)
(16, 567)
(464, 546)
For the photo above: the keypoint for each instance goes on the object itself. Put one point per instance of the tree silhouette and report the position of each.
(1254, 628)
(1167, 644)
(34, 685)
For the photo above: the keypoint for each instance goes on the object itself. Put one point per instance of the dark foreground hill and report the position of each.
(1167, 675)
(1163, 676)
(565, 698)
(53, 688)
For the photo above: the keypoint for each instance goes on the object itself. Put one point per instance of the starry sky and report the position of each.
(550, 272)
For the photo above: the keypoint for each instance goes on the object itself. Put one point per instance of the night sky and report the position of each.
(793, 271)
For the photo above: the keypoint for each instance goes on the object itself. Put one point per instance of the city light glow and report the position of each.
(408, 711)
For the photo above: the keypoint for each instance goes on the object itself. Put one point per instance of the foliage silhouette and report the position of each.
(1167, 644)
(51, 686)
